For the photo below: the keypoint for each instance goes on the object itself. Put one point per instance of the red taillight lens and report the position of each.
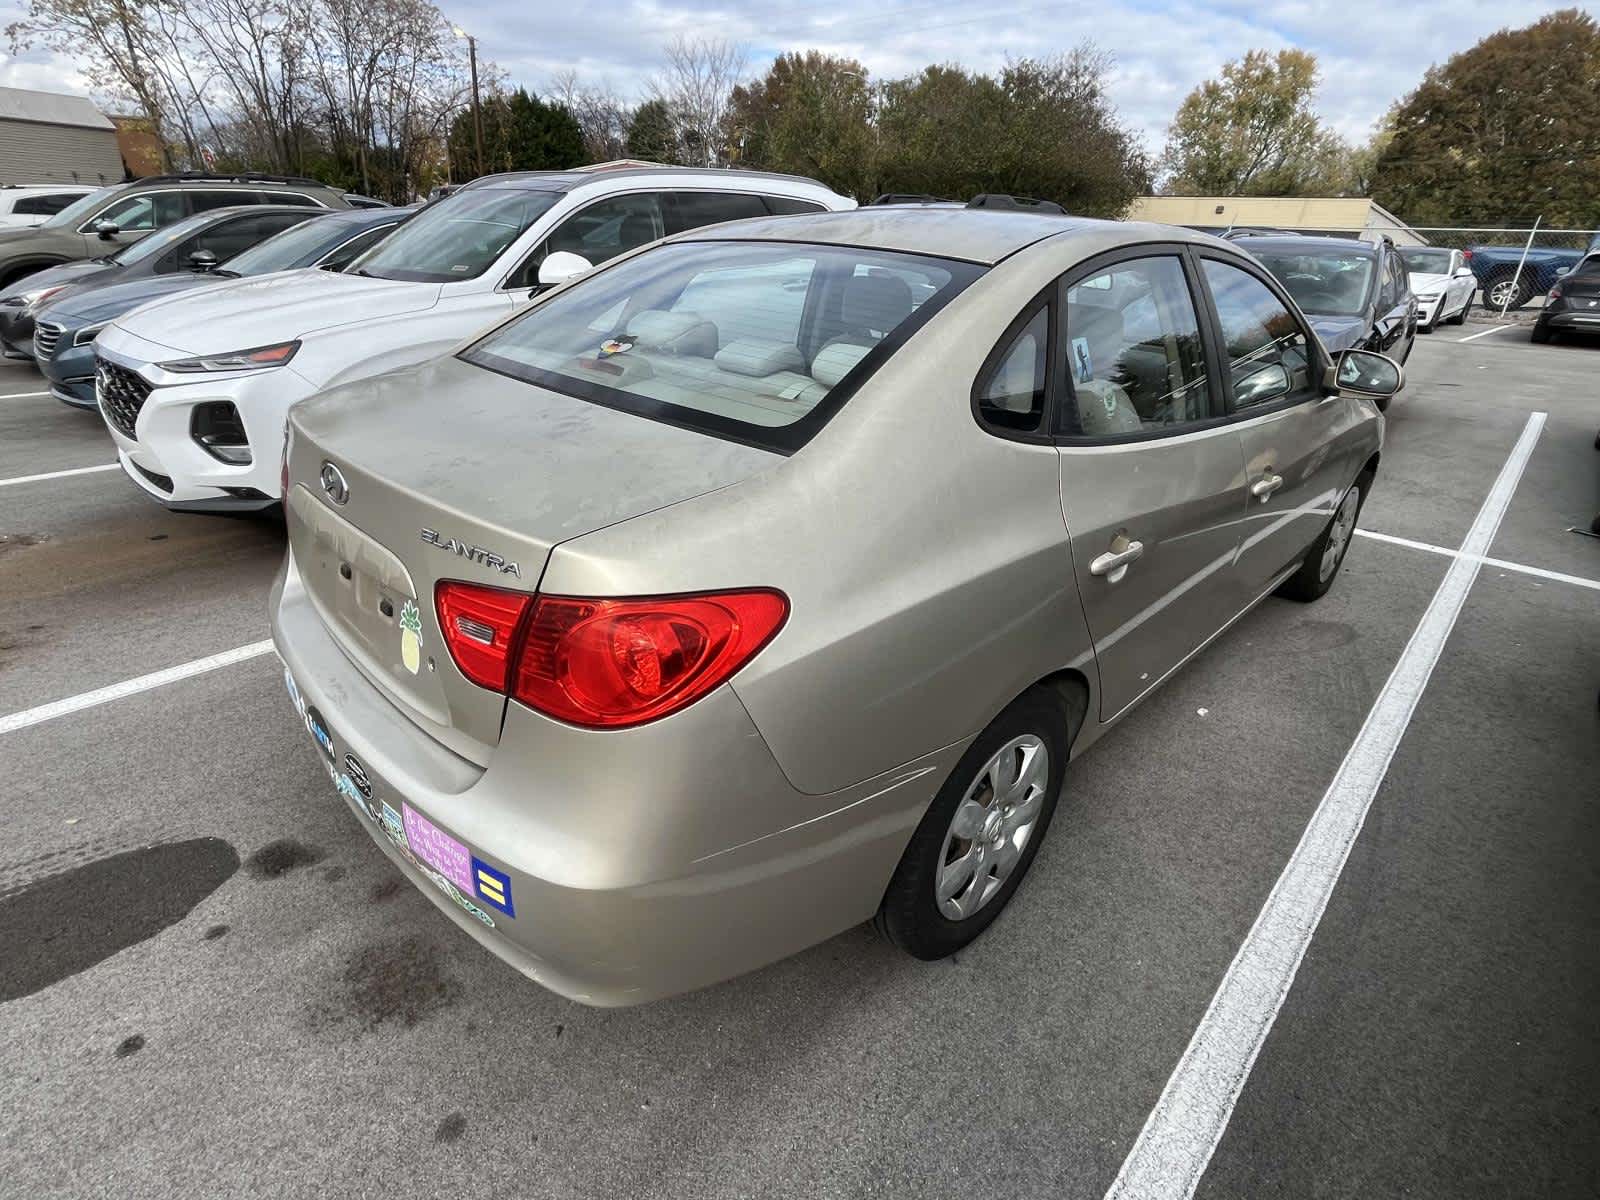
(605, 664)
(1466, 256)
(1555, 293)
(480, 628)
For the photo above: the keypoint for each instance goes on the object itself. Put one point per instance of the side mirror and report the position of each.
(1463, 273)
(1261, 385)
(1563, 271)
(107, 229)
(1363, 373)
(202, 260)
(562, 266)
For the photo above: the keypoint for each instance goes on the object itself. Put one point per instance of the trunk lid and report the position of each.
(456, 472)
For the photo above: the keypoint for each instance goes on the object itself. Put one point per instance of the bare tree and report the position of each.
(602, 114)
(698, 86)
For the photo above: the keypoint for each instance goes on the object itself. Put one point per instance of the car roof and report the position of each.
(976, 235)
(601, 174)
(1306, 245)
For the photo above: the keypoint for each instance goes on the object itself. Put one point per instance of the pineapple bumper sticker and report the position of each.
(411, 636)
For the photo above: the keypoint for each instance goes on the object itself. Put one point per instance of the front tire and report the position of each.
(980, 834)
(1461, 317)
(1326, 556)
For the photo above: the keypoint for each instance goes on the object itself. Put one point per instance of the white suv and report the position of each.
(25, 207)
(195, 389)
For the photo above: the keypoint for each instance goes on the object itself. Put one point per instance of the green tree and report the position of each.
(1045, 128)
(520, 133)
(653, 134)
(1254, 132)
(810, 114)
(1506, 131)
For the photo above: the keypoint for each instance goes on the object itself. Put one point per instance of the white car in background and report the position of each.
(1442, 283)
(195, 389)
(25, 207)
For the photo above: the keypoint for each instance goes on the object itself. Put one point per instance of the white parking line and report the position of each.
(56, 474)
(130, 687)
(1539, 572)
(1486, 332)
(1182, 1132)
(21, 395)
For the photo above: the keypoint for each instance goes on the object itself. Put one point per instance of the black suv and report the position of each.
(105, 220)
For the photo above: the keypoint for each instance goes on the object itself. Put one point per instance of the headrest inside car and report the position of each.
(674, 332)
(876, 303)
(833, 361)
(760, 356)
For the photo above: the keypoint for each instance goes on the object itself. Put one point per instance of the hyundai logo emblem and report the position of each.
(333, 483)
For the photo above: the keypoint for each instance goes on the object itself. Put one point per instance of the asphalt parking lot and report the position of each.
(212, 982)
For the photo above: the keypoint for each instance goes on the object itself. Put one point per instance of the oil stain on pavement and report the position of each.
(400, 981)
(281, 857)
(55, 927)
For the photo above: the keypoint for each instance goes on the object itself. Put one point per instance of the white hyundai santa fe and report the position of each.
(195, 389)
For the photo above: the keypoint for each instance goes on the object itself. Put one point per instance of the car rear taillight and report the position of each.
(1466, 256)
(480, 626)
(1555, 292)
(604, 664)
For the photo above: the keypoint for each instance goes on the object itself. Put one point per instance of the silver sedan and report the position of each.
(765, 580)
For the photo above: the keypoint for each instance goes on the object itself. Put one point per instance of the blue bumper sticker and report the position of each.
(493, 887)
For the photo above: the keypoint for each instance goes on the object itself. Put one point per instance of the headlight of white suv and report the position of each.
(87, 334)
(260, 358)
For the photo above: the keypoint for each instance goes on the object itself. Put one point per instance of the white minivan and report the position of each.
(195, 389)
(25, 207)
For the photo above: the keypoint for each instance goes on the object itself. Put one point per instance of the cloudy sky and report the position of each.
(1371, 51)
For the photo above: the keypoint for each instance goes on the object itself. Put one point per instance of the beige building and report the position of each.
(1348, 215)
(46, 137)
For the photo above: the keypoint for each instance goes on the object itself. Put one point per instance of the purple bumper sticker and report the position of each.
(438, 849)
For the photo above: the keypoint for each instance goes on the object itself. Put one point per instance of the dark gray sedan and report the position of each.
(63, 342)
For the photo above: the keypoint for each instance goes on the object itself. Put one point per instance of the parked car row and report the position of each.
(683, 567)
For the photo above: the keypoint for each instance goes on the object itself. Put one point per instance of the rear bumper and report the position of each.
(1581, 320)
(639, 863)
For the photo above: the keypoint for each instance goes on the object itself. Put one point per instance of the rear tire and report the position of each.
(1496, 294)
(982, 831)
(1327, 553)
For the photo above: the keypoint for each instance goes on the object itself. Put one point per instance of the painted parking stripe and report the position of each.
(131, 687)
(21, 395)
(1502, 564)
(1182, 1131)
(56, 474)
(1486, 332)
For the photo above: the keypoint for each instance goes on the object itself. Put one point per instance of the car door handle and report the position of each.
(1114, 564)
(1265, 486)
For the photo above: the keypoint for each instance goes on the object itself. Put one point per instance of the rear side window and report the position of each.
(42, 206)
(1269, 356)
(787, 206)
(1133, 351)
(691, 210)
(755, 342)
(205, 201)
(1010, 394)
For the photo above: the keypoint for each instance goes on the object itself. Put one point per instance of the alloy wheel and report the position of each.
(991, 827)
(1339, 533)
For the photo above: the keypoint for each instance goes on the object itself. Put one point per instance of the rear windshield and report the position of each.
(1425, 261)
(1330, 283)
(753, 341)
(459, 237)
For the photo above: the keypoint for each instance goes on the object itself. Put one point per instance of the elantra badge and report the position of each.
(333, 484)
(477, 554)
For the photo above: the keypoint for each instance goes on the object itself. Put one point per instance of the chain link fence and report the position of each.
(1515, 268)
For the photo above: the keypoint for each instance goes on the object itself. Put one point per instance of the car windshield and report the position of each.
(1330, 283)
(749, 341)
(458, 238)
(1423, 261)
(75, 212)
(298, 246)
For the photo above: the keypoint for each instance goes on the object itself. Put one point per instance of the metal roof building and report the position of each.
(46, 137)
(1348, 215)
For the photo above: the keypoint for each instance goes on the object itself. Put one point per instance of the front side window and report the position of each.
(160, 243)
(154, 210)
(1269, 356)
(1133, 350)
(460, 237)
(226, 238)
(297, 246)
(744, 340)
(1011, 394)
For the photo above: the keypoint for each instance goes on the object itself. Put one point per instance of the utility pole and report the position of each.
(477, 119)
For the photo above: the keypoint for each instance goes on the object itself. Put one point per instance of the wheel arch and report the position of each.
(22, 268)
